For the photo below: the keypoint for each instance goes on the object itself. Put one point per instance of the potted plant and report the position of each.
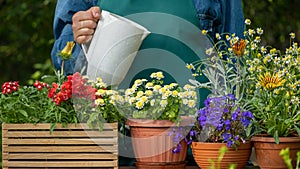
(63, 121)
(225, 118)
(221, 123)
(158, 119)
(273, 97)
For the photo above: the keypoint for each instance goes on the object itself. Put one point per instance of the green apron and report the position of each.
(175, 38)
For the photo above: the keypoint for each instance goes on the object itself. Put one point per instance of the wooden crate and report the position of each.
(32, 146)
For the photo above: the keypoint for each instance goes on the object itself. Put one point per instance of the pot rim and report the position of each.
(270, 139)
(185, 121)
(207, 145)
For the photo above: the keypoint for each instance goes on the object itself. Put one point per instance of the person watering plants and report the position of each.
(175, 27)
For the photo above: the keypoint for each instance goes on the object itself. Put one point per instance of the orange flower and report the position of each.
(239, 47)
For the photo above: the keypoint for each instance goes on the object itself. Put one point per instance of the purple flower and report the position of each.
(207, 102)
(193, 133)
(220, 126)
(230, 143)
(224, 118)
(226, 110)
(227, 136)
(177, 149)
(227, 124)
(236, 137)
(231, 97)
(234, 115)
(246, 118)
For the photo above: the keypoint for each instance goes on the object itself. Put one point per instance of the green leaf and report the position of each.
(52, 127)
(23, 112)
(276, 137)
(297, 129)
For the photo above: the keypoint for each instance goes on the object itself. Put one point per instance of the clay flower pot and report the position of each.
(203, 152)
(267, 151)
(152, 144)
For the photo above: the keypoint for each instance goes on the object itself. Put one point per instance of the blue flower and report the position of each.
(246, 118)
(234, 115)
(227, 136)
(230, 143)
(177, 149)
(227, 124)
(231, 97)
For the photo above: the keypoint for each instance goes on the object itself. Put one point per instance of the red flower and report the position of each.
(75, 86)
(52, 91)
(40, 85)
(9, 87)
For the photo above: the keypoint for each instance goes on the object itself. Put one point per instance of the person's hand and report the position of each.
(84, 24)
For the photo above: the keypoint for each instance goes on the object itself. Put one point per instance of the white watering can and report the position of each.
(113, 48)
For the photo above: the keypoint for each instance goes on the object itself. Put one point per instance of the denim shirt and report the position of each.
(216, 16)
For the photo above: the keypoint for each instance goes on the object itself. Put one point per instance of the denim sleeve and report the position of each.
(209, 13)
(62, 27)
(219, 16)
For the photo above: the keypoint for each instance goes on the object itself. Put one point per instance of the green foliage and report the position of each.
(285, 153)
(26, 37)
(214, 165)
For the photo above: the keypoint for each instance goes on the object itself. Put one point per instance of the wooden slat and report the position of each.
(27, 145)
(62, 149)
(62, 164)
(56, 156)
(70, 141)
(13, 134)
(58, 126)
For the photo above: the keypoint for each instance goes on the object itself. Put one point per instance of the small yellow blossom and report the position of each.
(247, 21)
(175, 93)
(149, 85)
(66, 53)
(139, 94)
(191, 103)
(163, 103)
(292, 35)
(190, 66)
(100, 102)
(228, 37)
(259, 31)
(251, 32)
(172, 85)
(218, 36)
(273, 51)
(100, 92)
(263, 49)
(209, 51)
(204, 32)
(139, 104)
(148, 93)
(157, 75)
(144, 99)
(156, 88)
(258, 55)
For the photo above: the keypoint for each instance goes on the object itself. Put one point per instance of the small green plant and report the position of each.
(285, 153)
(222, 151)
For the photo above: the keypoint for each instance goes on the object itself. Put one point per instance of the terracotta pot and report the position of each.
(152, 144)
(203, 152)
(173, 165)
(267, 151)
